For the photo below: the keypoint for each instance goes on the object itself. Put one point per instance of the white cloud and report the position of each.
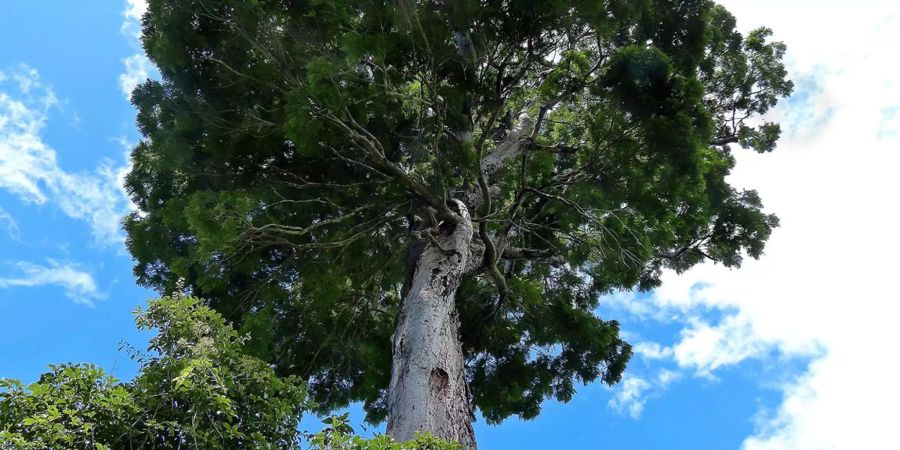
(138, 67)
(705, 348)
(823, 288)
(629, 398)
(77, 284)
(30, 170)
(134, 11)
(666, 377)
(137, 70)
(652, 350)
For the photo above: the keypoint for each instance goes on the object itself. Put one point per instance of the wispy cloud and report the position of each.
(629, 398)
(137, 70)
(810, 109)
(134, 11)
(77, 284)
(30, 169)
(7, 222)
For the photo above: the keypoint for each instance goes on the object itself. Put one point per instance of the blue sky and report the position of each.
(791, 352)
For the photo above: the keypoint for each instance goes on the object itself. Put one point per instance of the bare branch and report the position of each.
(374, 150)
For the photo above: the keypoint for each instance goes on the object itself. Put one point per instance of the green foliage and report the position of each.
(196, 388)
(295, 150)
(72, 406)
(745, 77)
(224, 398)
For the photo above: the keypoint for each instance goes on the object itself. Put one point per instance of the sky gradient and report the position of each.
(790, 352)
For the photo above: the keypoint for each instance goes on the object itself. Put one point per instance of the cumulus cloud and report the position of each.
(822, 290)
(30, 169)
(707, 348)
(704, 347)
(77, 284)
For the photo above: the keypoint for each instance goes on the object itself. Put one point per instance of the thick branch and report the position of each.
(516, 253)
(724, 141)
(373, 148)
(491, 255)
(528, 129)
(511, 147)
(694, 246)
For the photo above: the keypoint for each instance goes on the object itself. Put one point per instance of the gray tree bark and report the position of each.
(428, 390)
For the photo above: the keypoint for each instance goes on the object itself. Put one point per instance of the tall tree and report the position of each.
(417, 204)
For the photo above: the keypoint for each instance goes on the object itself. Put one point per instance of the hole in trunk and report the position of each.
(439, 380)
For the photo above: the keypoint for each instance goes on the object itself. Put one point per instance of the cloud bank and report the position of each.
(822, 291)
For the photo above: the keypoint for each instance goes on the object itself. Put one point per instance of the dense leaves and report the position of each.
(72, 406)
(296, 154)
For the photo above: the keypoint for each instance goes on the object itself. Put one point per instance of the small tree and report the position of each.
(196, 388)
(417, 204)
(72, 406)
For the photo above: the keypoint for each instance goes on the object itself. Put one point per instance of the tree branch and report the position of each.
(373, 148)
(724, 141)
(517, 253)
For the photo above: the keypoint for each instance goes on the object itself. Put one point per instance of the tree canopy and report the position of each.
(298, 154)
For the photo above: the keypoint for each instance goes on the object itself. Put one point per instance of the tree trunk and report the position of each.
(428, 389)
